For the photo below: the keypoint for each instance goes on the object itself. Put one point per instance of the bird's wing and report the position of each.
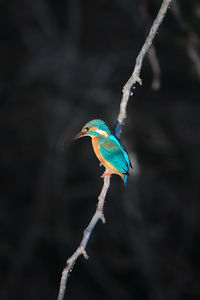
(114, 155)
(121, 146)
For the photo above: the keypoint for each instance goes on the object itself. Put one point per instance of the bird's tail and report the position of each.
(124, 177)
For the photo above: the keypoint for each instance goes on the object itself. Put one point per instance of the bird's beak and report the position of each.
(78, 135)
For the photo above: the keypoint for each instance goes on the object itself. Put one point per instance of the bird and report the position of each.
(108, 149)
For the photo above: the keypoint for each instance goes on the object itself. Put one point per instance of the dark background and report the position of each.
(63, 63)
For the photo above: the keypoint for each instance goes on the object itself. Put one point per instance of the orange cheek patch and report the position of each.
(94, 128)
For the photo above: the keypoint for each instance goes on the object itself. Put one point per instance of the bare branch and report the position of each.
(135, 77)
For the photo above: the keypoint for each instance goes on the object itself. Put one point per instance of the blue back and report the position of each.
(115, 153)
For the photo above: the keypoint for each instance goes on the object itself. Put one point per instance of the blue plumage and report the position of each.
(123, 149)
(125, 179)
(115, 153)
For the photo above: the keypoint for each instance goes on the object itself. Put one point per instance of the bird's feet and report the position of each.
(106, 174)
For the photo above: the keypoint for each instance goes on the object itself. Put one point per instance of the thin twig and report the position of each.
(191, 38)
(151, 54)
(135, 77)
(153, 60)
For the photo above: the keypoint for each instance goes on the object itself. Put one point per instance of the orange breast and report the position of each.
(106, 164)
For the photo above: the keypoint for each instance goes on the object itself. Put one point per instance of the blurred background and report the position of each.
(64, 63)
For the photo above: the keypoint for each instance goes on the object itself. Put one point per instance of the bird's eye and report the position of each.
(86, 129)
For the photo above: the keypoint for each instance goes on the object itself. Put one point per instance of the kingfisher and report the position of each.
(108, 149)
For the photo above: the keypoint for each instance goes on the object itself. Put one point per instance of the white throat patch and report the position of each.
(102, 132)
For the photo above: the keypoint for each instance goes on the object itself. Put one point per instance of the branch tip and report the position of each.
(139, 80)
(86, 256)
(136, 79)
(82, 251)
(103, 218)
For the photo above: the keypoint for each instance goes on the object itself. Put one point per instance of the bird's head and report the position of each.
(94, 128)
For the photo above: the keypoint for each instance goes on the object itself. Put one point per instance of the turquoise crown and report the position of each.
(98, 123)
